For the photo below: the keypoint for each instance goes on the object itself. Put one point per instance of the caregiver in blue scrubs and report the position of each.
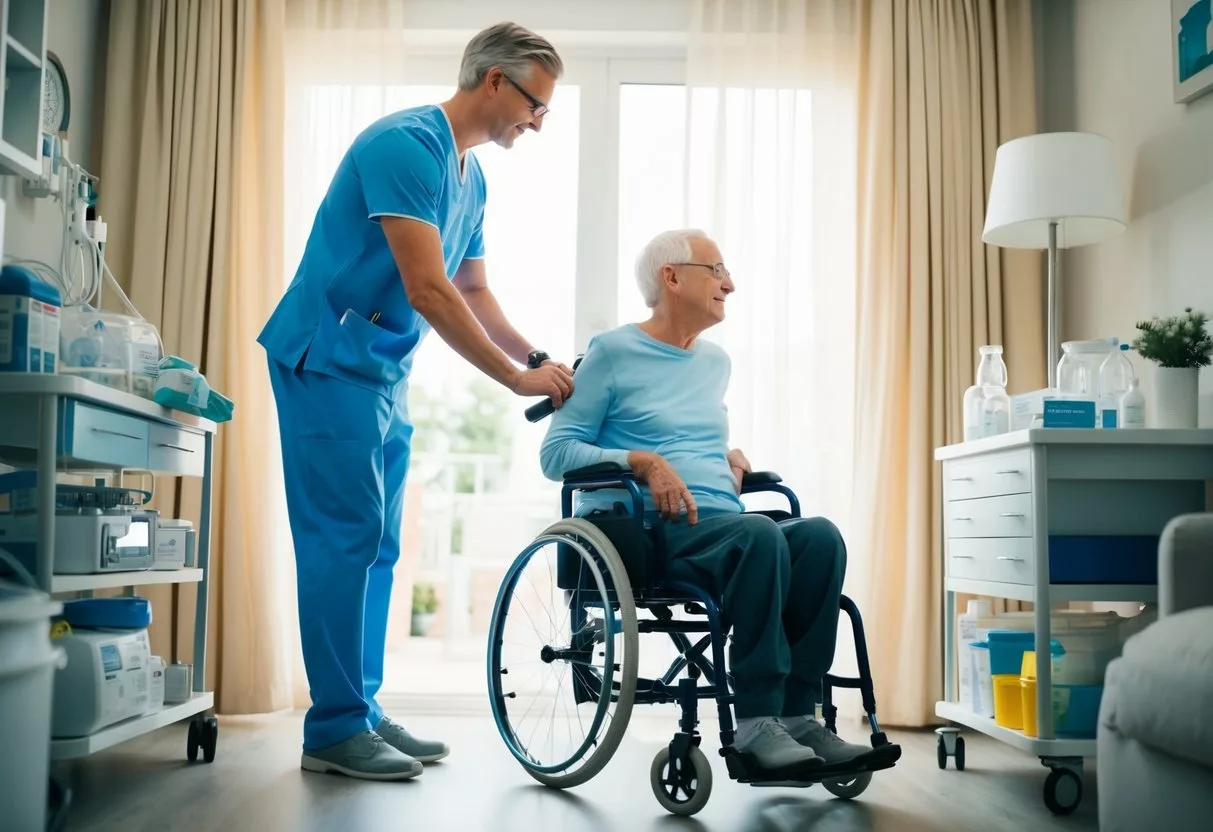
(396, 249)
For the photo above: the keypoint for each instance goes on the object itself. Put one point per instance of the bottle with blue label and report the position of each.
(30, 310)
(1116, 377)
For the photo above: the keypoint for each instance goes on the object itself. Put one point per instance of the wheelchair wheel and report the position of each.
(849, 788)
(562, 663)
(685, 790)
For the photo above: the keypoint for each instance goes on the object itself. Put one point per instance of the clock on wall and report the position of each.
(56, 97)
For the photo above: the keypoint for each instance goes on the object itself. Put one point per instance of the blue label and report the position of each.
(1060, 413)
(1109, 419)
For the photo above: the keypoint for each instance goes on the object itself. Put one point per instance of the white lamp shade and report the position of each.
(1069, 178)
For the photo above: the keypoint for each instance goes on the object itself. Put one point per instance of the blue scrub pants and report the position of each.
(345, 454)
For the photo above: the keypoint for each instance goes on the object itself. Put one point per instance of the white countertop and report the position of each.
(74, 387)
(1076, 436)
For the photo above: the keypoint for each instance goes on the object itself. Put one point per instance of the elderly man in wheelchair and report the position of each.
(659, 524)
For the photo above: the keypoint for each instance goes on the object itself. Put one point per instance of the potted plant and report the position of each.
(1180, 346)
(425, 604)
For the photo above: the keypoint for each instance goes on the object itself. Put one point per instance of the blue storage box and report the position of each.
(1103, 559)
(119, 613)
(1076, 710)
(1007, 648)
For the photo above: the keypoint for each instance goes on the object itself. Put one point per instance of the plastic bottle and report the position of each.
(1115, 376)
(1132, 410)
(987, 407)
(979, 613)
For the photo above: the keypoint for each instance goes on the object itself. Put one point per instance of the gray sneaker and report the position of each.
(365, 756)
(828, 745)
(427, 751)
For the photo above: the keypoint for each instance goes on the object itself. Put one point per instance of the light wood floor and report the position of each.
(255, 784)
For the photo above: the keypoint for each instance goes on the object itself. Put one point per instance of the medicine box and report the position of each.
(29, 322)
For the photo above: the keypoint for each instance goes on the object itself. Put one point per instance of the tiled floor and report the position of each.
(255, 784)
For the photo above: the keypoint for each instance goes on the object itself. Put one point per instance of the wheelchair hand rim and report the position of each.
(497, 694)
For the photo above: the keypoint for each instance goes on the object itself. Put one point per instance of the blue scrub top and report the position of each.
(403, 165)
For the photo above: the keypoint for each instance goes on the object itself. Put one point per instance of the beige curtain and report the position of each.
(941, 84)
(191, 186)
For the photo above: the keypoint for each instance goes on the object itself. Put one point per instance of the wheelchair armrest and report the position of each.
(755, 480)
(763, 481)
(599, 471)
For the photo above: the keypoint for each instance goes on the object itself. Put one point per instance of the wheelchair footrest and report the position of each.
(745, 769)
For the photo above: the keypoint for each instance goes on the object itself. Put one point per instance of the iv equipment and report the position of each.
(121, 351)
(987, 408)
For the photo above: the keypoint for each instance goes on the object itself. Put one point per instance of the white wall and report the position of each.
(76, 32)
(1108, 70)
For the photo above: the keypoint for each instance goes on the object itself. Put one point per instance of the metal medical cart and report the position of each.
(62, 424)
(1004, 497)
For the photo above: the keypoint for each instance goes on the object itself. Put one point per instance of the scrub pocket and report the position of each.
(352, 348)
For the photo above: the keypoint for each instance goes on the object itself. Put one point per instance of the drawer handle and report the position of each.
(117, 433)
(962, 557)
(1013, 560)
(965, 519)
(962, 479)
(176, 447)
(1012, 514)
(1010, 471)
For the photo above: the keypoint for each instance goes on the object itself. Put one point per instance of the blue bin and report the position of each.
(1076, 710)
(1007, 648)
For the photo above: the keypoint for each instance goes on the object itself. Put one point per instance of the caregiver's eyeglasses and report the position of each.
(538, 108)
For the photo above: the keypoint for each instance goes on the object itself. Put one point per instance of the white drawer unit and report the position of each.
(988, 475)
(1006, 516)
(175, 450)
(1010, 560)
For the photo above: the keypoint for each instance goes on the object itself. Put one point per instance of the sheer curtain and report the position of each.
(771, 177)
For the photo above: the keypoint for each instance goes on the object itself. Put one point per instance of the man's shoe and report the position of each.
(426, 751)
(365, 756)
(828, 745)
(772, 747)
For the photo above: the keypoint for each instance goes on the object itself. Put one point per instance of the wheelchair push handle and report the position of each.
(540, 411)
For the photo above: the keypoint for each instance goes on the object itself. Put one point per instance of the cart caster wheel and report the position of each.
(210, 738)
(1063, 791)
(192, 741)
(690, 787)
(849, 788)
(949, 744)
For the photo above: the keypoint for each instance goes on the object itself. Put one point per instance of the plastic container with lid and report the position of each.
(1078, 369)
(987, 408)
(30, 311)
(1116, 378)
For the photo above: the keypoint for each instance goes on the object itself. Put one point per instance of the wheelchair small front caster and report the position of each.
(950, 744)
(849, 788)
(204, 734)
(1063, 791)
(681, 787)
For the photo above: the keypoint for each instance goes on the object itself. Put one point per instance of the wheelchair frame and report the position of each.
(685, 760)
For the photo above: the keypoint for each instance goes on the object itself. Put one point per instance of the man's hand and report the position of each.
(552, 380)
(739, 465)
(670, 493)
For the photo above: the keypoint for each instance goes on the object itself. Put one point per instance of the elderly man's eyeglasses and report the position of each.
(718, 269)
(538, 108)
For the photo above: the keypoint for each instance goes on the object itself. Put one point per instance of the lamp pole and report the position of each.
(1052, 346)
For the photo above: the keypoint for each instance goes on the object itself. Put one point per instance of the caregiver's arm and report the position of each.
(572, 440)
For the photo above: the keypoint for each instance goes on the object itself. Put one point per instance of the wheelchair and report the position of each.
(605, 568)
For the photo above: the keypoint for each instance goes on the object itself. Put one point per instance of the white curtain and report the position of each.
(771, 177)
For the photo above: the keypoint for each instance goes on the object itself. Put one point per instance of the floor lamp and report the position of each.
(1053, 191)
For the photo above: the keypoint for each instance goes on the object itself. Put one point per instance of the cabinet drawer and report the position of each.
(1009, 560)
(1009, 516)
(94, 434)
(989, 475)
(176, 450)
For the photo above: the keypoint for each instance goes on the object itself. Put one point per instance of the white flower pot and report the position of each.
(1175, 397)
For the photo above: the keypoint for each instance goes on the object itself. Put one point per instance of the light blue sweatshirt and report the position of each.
(635, 393)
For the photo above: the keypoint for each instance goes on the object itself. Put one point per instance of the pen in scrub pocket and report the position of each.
(375, 316)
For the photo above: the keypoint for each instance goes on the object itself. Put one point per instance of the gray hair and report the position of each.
(509, 47)
(670, 248)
